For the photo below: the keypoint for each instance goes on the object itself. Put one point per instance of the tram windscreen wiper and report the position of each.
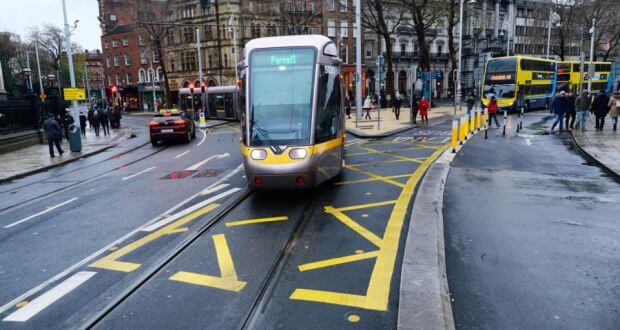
(264, 133)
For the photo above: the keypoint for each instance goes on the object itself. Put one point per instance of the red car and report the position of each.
(171, 124)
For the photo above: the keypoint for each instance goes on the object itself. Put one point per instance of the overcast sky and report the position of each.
(18, 15)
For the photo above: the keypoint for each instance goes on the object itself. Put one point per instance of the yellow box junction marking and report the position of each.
(370, 179)
(337, 261)
(375, 176)
(111, 261)
(228, 275)
(378, 292)
(254, 221)
(361, 230)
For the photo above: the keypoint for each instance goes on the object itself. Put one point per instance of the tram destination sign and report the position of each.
(283, 60)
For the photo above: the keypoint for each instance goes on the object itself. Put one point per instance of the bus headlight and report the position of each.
(298, 153)
(258, 154)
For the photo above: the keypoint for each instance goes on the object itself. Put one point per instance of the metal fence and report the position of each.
(18, 115)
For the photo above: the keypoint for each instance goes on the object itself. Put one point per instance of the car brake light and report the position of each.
(154, 123)
(300, 180)
(258, 181)
(179, 122)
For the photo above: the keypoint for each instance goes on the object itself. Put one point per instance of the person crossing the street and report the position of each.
(492, 109)
(560, 107)
(582, 106)
(571, 113)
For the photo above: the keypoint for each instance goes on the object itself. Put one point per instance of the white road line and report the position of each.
(134, 175)
(211, 190)
(204, 137)
(40, 213)
(43, 301)
(105, 249)
(189, 210)
(197, 165)
(181, 154)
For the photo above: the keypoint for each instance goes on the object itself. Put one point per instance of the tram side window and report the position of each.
(329, 104)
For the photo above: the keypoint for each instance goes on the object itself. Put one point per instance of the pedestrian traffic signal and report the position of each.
(191, 88)
(202, 87)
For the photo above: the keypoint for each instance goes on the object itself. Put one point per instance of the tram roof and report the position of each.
(312, 40)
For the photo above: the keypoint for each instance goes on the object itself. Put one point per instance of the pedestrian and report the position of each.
(67, 120)
(415, 100)
(571, 113)
(96, 123)
(614, 109)
(493, 109)
(83, 123)
(89, 115)
(559, 106)
(367, 106)
(470, 101)
(104, 119)
(347, 107)
(600, 109)
(582, 106)
(53, 132)
(423, 108)
(396, 105)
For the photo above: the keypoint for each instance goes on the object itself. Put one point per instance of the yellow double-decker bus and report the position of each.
(519, 78)
(564, 77)
(601, 80)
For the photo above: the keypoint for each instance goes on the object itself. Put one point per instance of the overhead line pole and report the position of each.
(358, 61)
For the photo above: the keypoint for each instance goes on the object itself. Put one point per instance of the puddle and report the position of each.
(178, 175)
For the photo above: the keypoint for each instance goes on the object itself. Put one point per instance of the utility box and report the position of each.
(75, 138)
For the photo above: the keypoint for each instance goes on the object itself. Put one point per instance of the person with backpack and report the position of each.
(492, 108)
(470, 101)
(582, 106)
(600, 109)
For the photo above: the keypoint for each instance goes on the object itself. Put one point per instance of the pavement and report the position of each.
(603, 146)
(37, 158)
(369, 128)
(531, 233)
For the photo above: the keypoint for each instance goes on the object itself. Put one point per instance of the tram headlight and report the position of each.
(297, 153)
(258, 154)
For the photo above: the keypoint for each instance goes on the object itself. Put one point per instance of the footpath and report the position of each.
(602, 146)
(367, 128)
(36, 158)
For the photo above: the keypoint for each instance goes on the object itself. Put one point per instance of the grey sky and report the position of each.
(18, 15)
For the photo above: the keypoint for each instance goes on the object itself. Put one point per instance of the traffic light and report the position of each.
(114, 90)
(202, 87)
(191, 88)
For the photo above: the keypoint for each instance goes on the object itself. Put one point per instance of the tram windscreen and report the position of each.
(281, 89)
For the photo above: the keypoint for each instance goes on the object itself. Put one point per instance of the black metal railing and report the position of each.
(18, 115)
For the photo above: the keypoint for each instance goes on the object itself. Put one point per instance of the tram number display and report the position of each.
(331, 70)
(283, 60)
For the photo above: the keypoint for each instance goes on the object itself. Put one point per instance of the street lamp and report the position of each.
(554, 18)
(457, 95)
(71, 71)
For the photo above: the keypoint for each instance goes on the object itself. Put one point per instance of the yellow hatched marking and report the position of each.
(375, 176)
(254, 221)
(361, 230)
(391, 154)
(378, 292)
(111, 260)
(337, 261)
(228, 275)
(370, 179)
(364, 206)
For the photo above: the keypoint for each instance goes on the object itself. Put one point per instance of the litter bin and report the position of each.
(75, 138)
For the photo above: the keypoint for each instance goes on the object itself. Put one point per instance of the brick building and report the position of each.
(129, 62)
(95, 72)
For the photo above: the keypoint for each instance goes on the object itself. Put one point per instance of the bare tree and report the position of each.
(383, 17)
(425, 16)
(154, 18)
(50, 39)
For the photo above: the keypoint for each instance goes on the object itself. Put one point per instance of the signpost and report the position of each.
(75, 94)
(380, 78)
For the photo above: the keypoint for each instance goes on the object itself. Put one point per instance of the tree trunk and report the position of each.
(164, 70)
(389, 77)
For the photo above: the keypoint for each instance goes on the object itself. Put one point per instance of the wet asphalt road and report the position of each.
(146, 245)
(532, 234)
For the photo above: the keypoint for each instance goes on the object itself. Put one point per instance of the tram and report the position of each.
(293, 123)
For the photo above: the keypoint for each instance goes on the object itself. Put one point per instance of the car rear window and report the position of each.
(162, 119)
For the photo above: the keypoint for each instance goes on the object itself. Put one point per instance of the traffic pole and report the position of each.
(505, 115)
(486, 125)
(521, 120)
(518, 126)
(455, 130)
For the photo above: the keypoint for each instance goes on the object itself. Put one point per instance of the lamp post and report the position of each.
(68, 44)
(591, 65)
(553, 19)
(457, 95)
(36, 52)
(231, 23)
(358, 60)
(151, 77)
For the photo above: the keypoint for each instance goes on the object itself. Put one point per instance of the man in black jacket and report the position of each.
(53, 133)
(600, 109)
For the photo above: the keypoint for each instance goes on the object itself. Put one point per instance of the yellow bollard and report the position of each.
(478, 120)
(455, 134)
(472, 128)
(464, 123)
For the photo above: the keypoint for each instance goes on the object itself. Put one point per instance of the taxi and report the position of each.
(171, 124)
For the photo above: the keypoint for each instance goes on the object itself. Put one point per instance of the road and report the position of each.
(531, 234)
(169, 237)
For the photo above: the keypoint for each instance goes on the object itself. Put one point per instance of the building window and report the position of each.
(125, 42)
(403, 47)
(141, 75)
(225, 60)
(155, 57)
(127, 60)
(271, 30)
(117, 61)
(172, 66)
(151, 76)
(107, 45)
(188, 61)
(141, 41)
(113, 18)
(344, 29)
(128, 78)
(188, 12)
(343, 6)
(368, 48)
(208, 33)
(439, 49)
(160, 74)
(312, 8)
(331, 5)
(143, 57)
(188, 35)
(331, 28)
(210, 61)
(117, 77)
(343, 53)
(255, 30)
(107, 62)
(114, 43)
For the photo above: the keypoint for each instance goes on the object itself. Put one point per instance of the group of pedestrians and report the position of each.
(574, 111)
(419, 105)
(100, 117)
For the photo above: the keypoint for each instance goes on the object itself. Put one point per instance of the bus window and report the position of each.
(502, 65)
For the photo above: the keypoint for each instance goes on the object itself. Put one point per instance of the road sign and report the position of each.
(75, 94)
(380, 60)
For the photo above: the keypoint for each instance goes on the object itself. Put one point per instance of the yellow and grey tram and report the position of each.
(293, 124)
